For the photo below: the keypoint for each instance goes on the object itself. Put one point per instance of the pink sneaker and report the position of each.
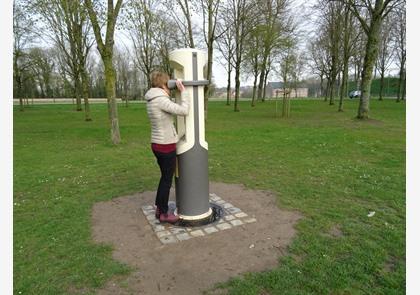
(169, 218)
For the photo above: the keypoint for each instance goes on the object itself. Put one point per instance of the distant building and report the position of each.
(222, 92)
(275, 89)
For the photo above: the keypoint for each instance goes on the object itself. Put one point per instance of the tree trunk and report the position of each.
(254, 90)
(19, 93)
(210, 39)
(265, 84)
(286, 103)
(112, 101)
(21, 107)
(228, 89)
(125, 91)
(343, 89)
(327, 90)
(381, 85)
(359, 71)
(261, 84)
(368, 65)
(209, 73)
(400, 84)
(85, 87)
(18, 81)
(77, 93)
(237, 87)
(331, 94)
(322, 85)
(189, 24)
(333, 80)
(283, 111)
(41, 86)
(403, 88)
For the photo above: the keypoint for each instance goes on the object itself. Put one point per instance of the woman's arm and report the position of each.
(173, 108)
(177, 109)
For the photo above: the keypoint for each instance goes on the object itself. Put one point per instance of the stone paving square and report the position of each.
(210, 229)
(169, 234)
(223, 226)
(184, 236)
(236, 222)
(197, 233)
(229, 217)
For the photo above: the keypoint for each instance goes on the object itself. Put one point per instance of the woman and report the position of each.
(160, 110)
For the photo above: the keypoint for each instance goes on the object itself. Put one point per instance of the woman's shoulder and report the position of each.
(156, 93)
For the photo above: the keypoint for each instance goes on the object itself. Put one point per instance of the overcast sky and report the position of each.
(219, 71)
(304, 17)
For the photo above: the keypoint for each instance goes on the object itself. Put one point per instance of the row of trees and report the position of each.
(362, 36)
(254, 39)
(75, 33)
(43, 75)
(70, 29)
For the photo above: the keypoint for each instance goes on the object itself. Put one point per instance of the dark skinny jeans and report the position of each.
(167, 162)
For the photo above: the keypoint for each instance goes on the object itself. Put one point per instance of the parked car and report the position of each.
(355, 93)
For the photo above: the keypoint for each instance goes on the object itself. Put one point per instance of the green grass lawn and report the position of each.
(326, 165)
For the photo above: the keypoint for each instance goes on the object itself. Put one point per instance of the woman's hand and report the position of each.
(179, 85)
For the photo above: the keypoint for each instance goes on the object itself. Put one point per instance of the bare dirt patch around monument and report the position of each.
(195, 265)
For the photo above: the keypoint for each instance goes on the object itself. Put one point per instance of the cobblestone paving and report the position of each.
(168, 233)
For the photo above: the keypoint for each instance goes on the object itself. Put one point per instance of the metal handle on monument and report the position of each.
(172, 83)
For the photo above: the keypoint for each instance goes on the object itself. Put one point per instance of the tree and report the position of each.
(97, 81)
(210, 9)
(123, 68)
(65, 85)
(288, 63)
(42, 66)
(66, 21)
(297, 71)
(183, 23)
(142, 33)
(240, 13)
(356, 58)
(319, 60)
(331, 18)
(75, 18)
(371, 24)
(251, 59)
(399, 35)
(226, 46)
(385, 54)
(276, 23)
(167, 38)
(23, 36)
(349, 40)
(106, 49)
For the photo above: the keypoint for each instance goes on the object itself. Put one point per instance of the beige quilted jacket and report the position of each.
(160, 110)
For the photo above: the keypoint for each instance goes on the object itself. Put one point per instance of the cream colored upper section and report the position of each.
(182, 63)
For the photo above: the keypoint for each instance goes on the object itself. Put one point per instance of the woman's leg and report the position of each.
(167, 164)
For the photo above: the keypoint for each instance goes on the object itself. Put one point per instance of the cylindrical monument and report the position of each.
(191, 176)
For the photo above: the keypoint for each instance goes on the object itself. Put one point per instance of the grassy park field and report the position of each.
(335, 170)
